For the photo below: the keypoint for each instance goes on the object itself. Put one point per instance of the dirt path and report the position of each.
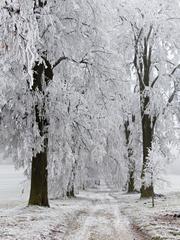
(100, 220)
(93, 215)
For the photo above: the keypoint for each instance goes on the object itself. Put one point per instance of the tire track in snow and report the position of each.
(100, 221)
(77, 228)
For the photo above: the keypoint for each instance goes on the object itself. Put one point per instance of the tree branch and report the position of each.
(174, 70)
(84, 60)
(154, 81)
(59, 61)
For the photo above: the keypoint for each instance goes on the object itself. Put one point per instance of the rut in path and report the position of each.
(99, 219)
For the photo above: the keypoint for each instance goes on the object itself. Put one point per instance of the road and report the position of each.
(99, 218)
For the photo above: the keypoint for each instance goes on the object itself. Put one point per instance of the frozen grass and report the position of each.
(36, 223)
(159, 222)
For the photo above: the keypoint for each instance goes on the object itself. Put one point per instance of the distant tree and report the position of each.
(131, 163)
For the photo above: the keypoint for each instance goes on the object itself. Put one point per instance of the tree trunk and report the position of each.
(142, 63)
(131, 185)
(39, 190)
(131, 164)
(147, 128)
(42, 74)
(147, 192)
(70, 187)
(70, 191)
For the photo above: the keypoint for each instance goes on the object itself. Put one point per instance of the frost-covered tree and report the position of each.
(150, 49)
(36, 38)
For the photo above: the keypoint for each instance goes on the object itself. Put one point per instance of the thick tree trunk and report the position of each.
(39, 174)
(147, 128)
(39, 189)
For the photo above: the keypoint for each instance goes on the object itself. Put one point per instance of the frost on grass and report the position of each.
(158, 223)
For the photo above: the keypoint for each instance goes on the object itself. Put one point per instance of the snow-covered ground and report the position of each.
(160, 222)
(156, 223)
(93, 215)
(98, 214)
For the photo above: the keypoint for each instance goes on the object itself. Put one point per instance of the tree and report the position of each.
(131, 163)
(32, 57)
(42, 74)
(149, 36)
